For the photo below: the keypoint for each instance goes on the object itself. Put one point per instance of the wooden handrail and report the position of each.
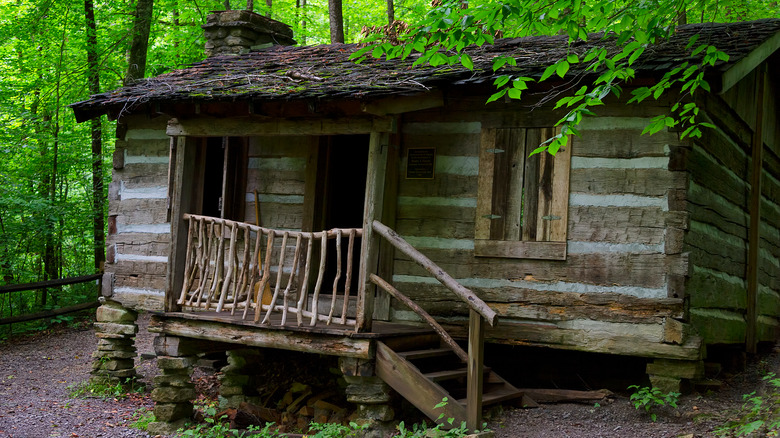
(332, 233)
(465, 294)
(419, 310)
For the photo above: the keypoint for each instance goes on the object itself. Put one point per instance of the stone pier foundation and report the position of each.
(114, 359)
(670, 375)
(235, 383)
(371, 395)
(174, 391)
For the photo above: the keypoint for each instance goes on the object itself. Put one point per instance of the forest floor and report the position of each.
(38, 373)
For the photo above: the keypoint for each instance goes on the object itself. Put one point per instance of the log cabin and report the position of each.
(287, 197)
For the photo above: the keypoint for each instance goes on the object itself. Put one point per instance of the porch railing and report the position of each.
(260, 272)
(479, 313)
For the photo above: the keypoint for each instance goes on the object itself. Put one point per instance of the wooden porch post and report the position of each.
(475, 371)
(375, 189)
(754, 235)
(181, 202)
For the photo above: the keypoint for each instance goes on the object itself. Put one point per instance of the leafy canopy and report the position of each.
(625, 27)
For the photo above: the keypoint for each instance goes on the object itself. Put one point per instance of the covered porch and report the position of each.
(231, 282)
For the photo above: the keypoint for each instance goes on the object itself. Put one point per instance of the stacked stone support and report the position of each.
(235, 383)
(174, 391)
(670, 375)
(114, 358)
(371, 395)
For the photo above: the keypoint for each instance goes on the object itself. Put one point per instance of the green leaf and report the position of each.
(501, 81)
(562, 68)
(465, 59)
(497, 95)
(572, 58)
(634, 56)
(548, 72)
(515, 93)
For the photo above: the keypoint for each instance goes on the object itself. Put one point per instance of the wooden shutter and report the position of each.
(522, 202)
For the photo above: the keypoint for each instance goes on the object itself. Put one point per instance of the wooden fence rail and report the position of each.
(52, 312)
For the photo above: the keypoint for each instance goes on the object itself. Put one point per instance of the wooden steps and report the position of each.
(425, 373)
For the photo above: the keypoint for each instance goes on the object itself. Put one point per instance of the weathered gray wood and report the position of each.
(749, 63)
(643, 182)
(182, 203)
(549, 305)
(413, 386)
(258, 126)
(520, 250)
(49, 283)
(387, 251)
(462, 292)
(543, 395)
(422, 313)
(548, 335)
(476, 361)
(49, 313)
(262, 337)
(405, 104)
(374, 201)
(754, 230)
(645, 270)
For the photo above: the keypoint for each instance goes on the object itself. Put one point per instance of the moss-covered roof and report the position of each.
(326, 72)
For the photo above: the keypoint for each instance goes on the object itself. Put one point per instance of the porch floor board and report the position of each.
(333, 339)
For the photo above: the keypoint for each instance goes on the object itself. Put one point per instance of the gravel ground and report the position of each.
(37, 371)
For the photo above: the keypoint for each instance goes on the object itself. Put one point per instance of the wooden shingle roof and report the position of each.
(326, 72)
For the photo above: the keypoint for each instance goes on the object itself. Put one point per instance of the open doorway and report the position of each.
(343, 185)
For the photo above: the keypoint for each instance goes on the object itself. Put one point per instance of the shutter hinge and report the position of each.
(496, 151)
(220, 206)
(551, 218)
(491, 216)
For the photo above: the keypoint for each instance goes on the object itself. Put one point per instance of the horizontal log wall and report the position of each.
(138, 229)
(717, 200)
(624, 262)
(277, 170)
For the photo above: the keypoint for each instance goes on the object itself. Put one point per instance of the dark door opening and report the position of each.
(344, 192)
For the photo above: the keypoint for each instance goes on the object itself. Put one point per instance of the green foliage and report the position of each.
(760, 412)
(141, 419)
(98, 388)
(625, 30)
(334, 430)
(438, 431)
(650, 398)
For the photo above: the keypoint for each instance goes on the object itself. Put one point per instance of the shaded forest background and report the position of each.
(54, 173)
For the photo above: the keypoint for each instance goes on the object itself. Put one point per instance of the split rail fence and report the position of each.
(25, 287)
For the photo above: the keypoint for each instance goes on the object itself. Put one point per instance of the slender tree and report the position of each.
(139, 44)
(336, 21)
(93, 83)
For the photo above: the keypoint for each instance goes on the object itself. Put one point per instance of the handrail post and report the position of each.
(475, 370)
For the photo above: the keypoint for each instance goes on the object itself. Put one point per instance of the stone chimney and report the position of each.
(235, 32)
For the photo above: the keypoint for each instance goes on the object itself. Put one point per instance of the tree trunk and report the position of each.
(226, 3)
(336, 21)
(250, 5)
(300, 17)
(390, 12)
(93, 82)
(136, 55)
(269, 4)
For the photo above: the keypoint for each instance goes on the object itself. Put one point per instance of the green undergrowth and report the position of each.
(98, 388)
(650, 399)
(219, 428)
(760, 413)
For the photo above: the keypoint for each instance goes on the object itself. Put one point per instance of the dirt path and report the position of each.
(35, 373)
